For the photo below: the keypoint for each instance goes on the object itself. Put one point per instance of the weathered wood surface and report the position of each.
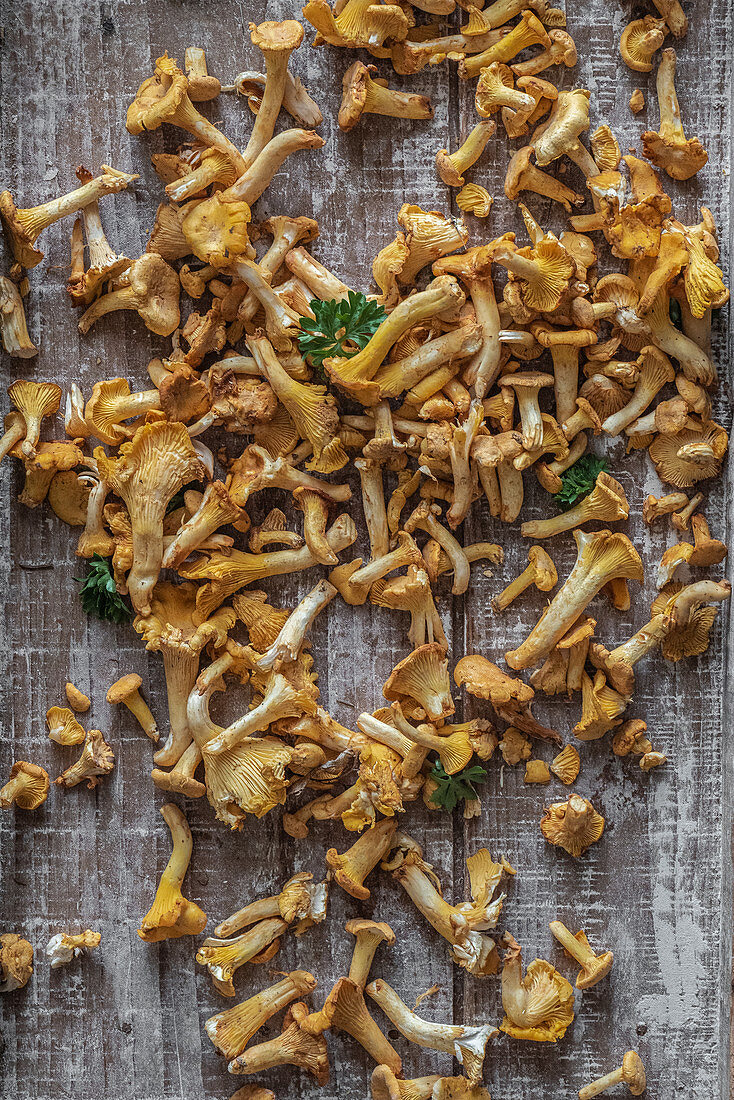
(125, 1023)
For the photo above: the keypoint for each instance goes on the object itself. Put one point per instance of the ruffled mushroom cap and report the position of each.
(688, 456)
(16, 962)
(474, 199)
(573, 825)
(539, 1006)
(63, 728)
(639, 42)
(26, 788)
(422, 678)
(690, 639)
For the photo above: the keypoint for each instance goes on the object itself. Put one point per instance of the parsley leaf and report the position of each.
(578, 480)
(452, 789)
(337, 324)
(99, 593)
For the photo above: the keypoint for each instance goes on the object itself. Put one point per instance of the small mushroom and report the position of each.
(26, 788)
(126, 690)
(540, 572)
(593, 967)
(640, 40)
(566, 765)
(527, 386)
(352, 867)
(363, 95)
(451, 166)
(573, 825)
(150, 287)
(606, 503)
(521, 175)
(631, 1072)
(369, 935)
(78, 701)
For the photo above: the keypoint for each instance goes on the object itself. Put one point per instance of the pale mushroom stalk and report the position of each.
(322, 282)
(278, 702)
(467, 1044)
(276, 41)
(681, 158)
(16, 340)
(656, 371)
(289, 642)
(281, 322)
(593, 967)
(447, 350)
(287, 231)
(214, 511)
(694, 362)
(15, 431)
(460, 457)
(231, 1030)
(355, 585)
(296, 100)
(386, 734)
(373, 505)
(566, 379)
(94, 539)
(424, 518)
(180, 779)
(259, 175)
(483, 369)
(24, 226)
(602, 556)
(606, 503)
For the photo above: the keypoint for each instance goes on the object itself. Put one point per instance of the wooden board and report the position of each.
(125, 1023)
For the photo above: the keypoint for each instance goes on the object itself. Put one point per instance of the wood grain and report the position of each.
(125, 1023)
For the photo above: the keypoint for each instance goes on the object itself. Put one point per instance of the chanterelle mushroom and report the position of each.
(631, 1072)
(16, 962)
(539, 1006)
(171, 915)
(127, 690)
(669, 148)
(150, 287)
(27, 787)
(573, 825)
(362, 95)
(540, 572)
(593, 967)
(97, 759)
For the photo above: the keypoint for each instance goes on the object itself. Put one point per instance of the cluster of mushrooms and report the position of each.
(444, 405)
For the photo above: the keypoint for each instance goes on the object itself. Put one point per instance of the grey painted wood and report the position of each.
(126, 1021)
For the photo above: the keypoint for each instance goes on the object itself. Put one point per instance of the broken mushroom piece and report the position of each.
(362, 95)
(171, 914)
(63, 727)
(64, 946)
(566, 765)
(668, 147)
(631, 1072)
(26, 788)
(385, 1085)
(466, 1043)
(540, 572)
(573, 825)
(593, 967)
(13, 328)
(127, 690)
(97, 759)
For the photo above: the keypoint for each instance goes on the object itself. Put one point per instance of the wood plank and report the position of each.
(90, 858)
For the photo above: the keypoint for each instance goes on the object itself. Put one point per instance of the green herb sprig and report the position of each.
(338, 324)
(578, 480)
(452, 789)
(99, 593)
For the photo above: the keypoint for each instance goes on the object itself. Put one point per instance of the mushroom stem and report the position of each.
(373, 504)
(317, 278)
(424, 518)
(180, 669)
(483, 369)
(289, 642)
(608, 1081)
(404, 374)
(568, 941)
(671, 125)
(515, 588)
(183, 846)
(566, 379)
(259, 175)
(277, 54)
